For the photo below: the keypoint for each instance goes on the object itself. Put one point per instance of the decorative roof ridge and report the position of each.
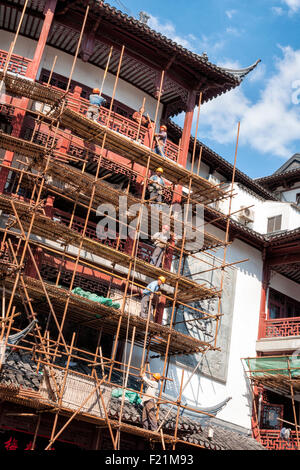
(244, 178)
(241, 73)
(236, 75)
(275, 176)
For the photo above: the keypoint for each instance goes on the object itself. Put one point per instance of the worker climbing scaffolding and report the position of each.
(150, 298)
(95, 102)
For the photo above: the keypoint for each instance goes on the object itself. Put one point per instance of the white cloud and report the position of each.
(271, 125)
(230, 13)
(293, 5)
(233, 31)
(278, 11)
(169, 30)
(209, 44)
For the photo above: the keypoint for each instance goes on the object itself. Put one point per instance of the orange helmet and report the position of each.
(163, 127)
(157, 376)
(96, 91)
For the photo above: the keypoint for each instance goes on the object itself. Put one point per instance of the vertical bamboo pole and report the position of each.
(178, 409)
(293, 403)
(91, 200)
(227, 234)
(117, 440)
(12, 46)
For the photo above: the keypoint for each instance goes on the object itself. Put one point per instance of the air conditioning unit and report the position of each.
(246, 215)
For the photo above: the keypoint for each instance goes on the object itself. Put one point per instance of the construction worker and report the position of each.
(148, 298)
(139, 117)
(149, 402)
(160, 241)
(160, 141)
(156, 186)
(95, 102)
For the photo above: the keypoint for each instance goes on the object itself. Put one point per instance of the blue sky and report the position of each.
(236, 33)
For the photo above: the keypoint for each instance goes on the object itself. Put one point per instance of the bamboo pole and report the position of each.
(293, 404)
(12, 46)
(95, 389)
(178, 409)
(117, 439)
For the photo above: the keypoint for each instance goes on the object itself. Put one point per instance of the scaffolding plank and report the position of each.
(134, 151)
(30, 89)
(49, 229)
(98, 316)
(82, 184)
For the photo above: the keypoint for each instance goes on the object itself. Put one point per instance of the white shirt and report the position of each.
(160, 239)
(152, 387)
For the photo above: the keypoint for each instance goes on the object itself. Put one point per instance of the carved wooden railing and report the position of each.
(17, 64)
(271, 440)
(144, 250)
(282, 327)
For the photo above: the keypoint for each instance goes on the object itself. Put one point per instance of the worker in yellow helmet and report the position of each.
(149, 297)
(95, 102)
(149, 402)
(156, 187)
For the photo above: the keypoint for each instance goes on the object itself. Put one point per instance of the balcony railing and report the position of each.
(121, 124)
(271, 440)
(283, 327)
(17, 64)
(117, 122)
(144, 251)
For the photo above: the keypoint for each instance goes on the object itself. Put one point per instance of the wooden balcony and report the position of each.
(282, 328)
(17, 64)
(270, 439)
(117, 122)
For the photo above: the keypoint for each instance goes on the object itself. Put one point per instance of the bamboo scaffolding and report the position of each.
(86, 192)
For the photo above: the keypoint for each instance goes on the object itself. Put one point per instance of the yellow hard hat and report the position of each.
(159, 170)
(156, 376)
(162, 279)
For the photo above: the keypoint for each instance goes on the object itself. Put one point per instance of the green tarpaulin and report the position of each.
(132, 397)
(95, 298)
(260, 366)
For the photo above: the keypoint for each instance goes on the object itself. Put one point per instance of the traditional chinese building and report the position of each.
(73, 343)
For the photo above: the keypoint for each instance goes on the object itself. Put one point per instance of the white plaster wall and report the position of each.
(24, 47)
(84, 73)
(285, 286)
(290, 196)
(262, 210)
(203, 391)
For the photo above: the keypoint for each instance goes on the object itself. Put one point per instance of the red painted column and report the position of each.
(185, 140)
(49, 14)
(187, 128)
(30, 73)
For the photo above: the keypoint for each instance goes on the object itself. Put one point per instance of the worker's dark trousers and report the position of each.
(145, 307)
(149, 416)
(159, 150)
(93, 113)
(157, 256)
(155, 196)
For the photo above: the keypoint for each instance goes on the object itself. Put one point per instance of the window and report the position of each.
(282, 306)
(274, 223)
